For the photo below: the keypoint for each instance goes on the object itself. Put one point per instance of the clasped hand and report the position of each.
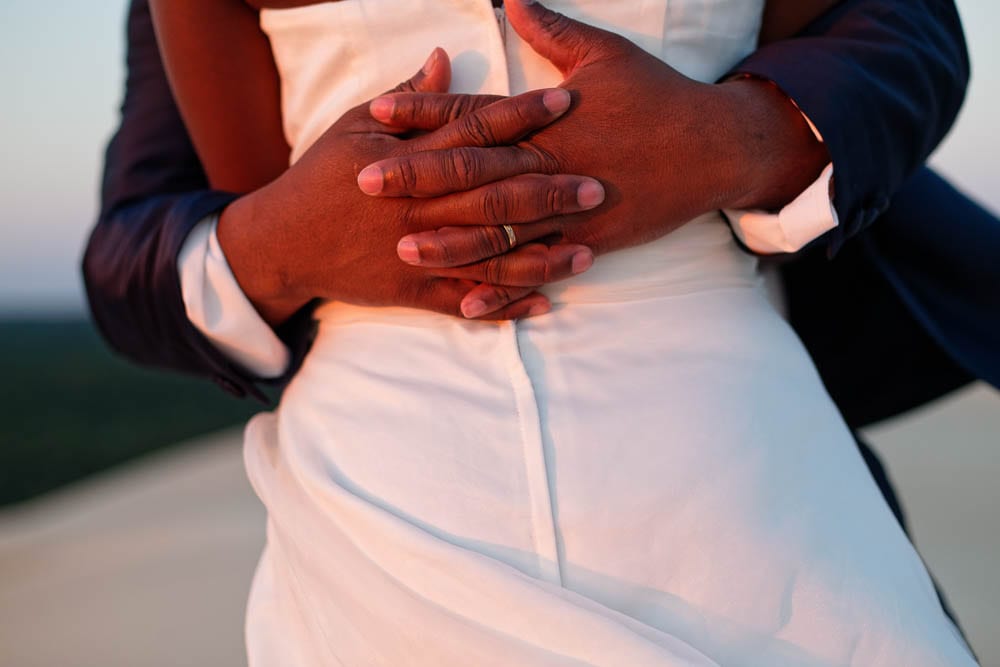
(317, 235)
(666, 149)
(623, 152)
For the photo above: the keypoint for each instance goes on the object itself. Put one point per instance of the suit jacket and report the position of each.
(894, 76)
(909, 309)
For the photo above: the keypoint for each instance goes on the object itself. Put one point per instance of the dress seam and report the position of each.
(532, 441)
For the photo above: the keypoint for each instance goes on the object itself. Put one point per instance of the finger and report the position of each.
(426, 111)
(448, 296)
(441, 172)
(463, 121)
(451, 247)
(433, 77)
(533, 305)
(486, 299)
(516, 200)
(530, 265)
(501, 123)
(559, 39)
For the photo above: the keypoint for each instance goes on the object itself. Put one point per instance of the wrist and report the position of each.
(251, 245)
(775, 153)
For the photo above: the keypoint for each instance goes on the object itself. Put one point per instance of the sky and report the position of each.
(61, 73)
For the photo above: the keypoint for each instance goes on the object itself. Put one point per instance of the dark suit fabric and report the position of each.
(883, 82)
(940, 252)
(893, 76)
(155, 191)
(907, 311)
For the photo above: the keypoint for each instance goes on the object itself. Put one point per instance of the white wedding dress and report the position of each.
(651, 474)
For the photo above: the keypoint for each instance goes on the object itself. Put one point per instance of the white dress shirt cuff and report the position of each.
(219, 309)
(805, 219)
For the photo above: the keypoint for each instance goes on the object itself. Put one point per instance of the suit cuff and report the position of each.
(806, 218)
(219, 309)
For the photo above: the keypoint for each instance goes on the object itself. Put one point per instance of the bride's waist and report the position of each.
(699, 256)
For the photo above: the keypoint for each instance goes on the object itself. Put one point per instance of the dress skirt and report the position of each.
(651, 474)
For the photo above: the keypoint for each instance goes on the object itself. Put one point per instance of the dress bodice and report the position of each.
(333, 56)
(651, 474)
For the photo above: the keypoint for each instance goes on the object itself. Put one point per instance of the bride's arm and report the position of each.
(223, 76)
(787, 18)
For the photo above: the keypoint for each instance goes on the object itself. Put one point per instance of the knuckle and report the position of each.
(410, 85)
(495, 271)
(556, 198)
(555, 24)
(524, 113)
(476, 131)
(495, 207)
(491, 242)
(466, 166)
(406, 174)
(501, 295)
(539, 159)
(563, 29)
(411, 108)
(460, 105)
(442, 248)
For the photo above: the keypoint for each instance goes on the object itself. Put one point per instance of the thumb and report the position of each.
(433, 77)
(564, 42)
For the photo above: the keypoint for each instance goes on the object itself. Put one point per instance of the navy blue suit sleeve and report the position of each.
(154, 192)
(883, 81)
(893, 76)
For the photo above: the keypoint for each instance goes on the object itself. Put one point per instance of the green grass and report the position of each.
(71, 408)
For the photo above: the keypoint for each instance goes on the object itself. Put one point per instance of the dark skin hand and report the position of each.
(286, 245)
(757, 149)
(354, 260)
(306, 231)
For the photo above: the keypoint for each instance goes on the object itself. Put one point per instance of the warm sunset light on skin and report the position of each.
(62, 74)
(528, 388)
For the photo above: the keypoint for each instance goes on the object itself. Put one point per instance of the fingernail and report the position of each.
(429, 63)
(539, 309)
(408, 251)
(582, 261)
(473, 308)
(556, 100)
(381, 108)
(371, 180)
(590, 194)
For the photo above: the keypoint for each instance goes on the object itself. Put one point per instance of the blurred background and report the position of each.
(128, 533)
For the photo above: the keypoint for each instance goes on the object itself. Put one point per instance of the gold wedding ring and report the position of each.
(511, 236)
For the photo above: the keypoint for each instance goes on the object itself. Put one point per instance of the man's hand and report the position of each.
(666, 148)
(312, 233)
